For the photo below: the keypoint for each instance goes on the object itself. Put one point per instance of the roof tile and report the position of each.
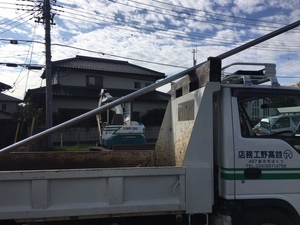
(104, 65)
(7, 98)
(84, 92)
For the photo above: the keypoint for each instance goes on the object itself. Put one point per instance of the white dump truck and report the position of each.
(208, 166)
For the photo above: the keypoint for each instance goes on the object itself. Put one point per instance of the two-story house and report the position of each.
(77, 82)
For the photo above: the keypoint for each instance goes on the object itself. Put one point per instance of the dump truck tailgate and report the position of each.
(83, 193)
(91, 192)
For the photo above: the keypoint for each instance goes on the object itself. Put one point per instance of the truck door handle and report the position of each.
(252, 173)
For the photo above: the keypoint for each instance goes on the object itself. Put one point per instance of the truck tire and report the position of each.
(265, 216)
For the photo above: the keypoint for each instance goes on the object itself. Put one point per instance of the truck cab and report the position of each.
(259, 171)
(212, 123)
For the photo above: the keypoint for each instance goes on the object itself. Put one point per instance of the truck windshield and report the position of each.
(270, 114)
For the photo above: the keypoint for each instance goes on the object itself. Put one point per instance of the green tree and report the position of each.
(27, 112)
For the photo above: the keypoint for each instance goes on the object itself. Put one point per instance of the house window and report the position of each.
(4, 107)
(94, 81)
(137, 85)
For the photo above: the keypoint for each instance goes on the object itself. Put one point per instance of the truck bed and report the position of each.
(75, 160)
(66, 185)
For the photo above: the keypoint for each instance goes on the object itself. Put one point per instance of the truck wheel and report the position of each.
(264, 217)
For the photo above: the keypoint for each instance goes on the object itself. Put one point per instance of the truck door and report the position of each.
(266, 165)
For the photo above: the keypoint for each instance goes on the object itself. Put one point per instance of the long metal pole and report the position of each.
(140, 92)
(260, 40)
(47, 16)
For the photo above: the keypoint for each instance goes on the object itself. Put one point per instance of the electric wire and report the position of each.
(215, 21)
(117, 56)
(211, 20)
(219, 41)
(219, 14)
(30, 57)
(13, 20)
(209, 41)
(17, 25)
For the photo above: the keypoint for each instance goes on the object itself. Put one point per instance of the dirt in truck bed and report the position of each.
(75, 160)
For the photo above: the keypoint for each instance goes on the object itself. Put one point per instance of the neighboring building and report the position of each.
(76, 84)
(4, 87)
(8, 104)
(297, 84)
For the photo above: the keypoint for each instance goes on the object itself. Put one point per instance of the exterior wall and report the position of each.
(71, 103)
(89, 104)
(72, 78)
(11, 107)
(5, 116)
(123, 83)
(78, 78)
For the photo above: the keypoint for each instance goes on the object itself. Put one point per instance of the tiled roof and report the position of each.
(84, 92)
(104, 65)
(4, 87)
(7, 98)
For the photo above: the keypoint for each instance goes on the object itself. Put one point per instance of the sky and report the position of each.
(162, 35)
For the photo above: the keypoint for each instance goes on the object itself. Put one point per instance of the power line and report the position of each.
(107, 19)
(30, 52)
(220, 14)
(17, 25)
(192, 16)
(117, 56)
(101, 53)
(193, 38)
(13, 20)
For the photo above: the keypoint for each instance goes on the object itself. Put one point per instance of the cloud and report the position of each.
(249, 7)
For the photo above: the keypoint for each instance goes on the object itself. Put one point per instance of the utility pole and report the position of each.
(47, 20)
(194, 57)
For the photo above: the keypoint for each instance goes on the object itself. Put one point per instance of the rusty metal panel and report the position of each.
(208, 71)
(186, 110)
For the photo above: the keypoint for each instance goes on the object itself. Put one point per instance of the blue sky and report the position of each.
(156, 34)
